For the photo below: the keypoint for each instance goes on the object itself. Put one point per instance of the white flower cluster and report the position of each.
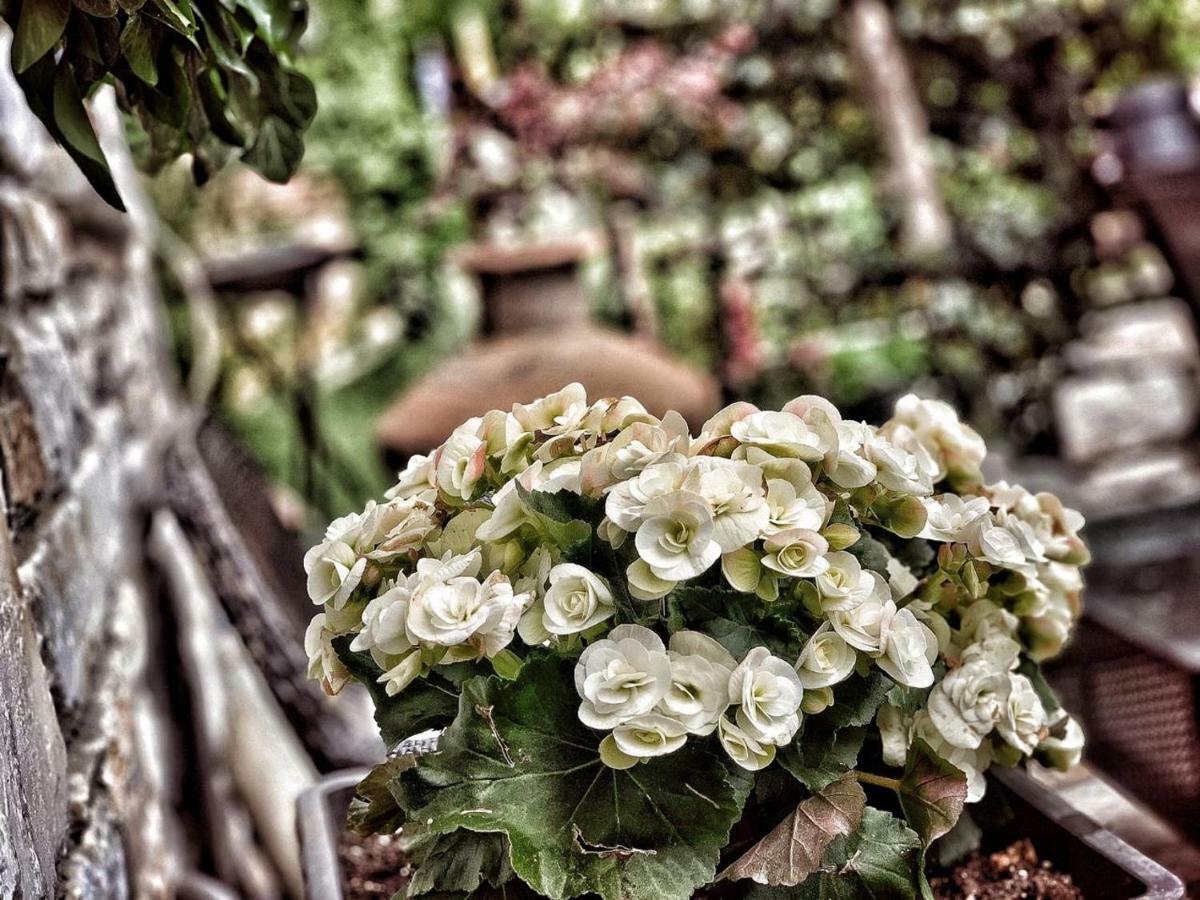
(883, 542)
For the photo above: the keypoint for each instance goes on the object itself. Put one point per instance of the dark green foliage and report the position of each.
(205, 77)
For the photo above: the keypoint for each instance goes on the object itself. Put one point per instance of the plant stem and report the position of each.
(878, 780)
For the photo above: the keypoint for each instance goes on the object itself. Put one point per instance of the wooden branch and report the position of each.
(887, 79)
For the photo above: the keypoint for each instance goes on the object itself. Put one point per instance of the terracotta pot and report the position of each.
(1103, 865)
(537, 336)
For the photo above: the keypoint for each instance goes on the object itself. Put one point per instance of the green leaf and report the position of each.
(738, 621)
(374, 810)
(518, 761)
(877, 861)
(41, 25)
(276, 151)
(553, 518)
(101, 9)
(424, 704)
(459, 862)
(137, 46)
(932, 793)
(213, 101)
(855, 701)
(819, 759)
(871, 553)
(793, 850)
(74, 129)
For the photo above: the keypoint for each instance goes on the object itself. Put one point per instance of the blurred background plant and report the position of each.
(746, 159)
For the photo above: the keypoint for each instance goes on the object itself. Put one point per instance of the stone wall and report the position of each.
(85, 402)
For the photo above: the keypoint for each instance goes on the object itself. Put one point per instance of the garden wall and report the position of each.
(84, 400)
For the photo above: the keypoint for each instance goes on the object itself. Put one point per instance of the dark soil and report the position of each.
(373, 867)
(1011, 874)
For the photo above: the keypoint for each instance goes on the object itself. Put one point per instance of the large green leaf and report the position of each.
(459, 862)
(793, 850)
(518, 761)
(876, 861)
(428, 702)
(739, 621)
(820, 759)
(41, 24)
(932, 793)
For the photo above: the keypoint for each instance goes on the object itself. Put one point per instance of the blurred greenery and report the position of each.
(734, 140)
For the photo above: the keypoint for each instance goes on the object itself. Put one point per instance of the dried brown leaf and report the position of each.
(794, 848)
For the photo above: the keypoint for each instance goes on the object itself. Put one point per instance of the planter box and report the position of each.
(1131, 675)
(1103, 865)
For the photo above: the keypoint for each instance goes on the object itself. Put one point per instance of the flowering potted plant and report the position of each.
(781, 652)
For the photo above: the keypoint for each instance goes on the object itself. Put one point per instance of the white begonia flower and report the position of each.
(950, 518)
(844, 584)
(826, 659)
(335, 567)
(734, 493)
(401, 528)
(745, 750)
(1023, 720)
(902, 464)
(972, 762)
(850, 467)
(459, 464)
(990, 542)
(936, 623)
(616, 414)
(1050, 526)
(621, 677)
(576, 600)
(984, 619)
(783, 434)
(714, 438)
(1062, 748)
(676, 537)
(634, 449)
(797, 553)
(554, 414)
(895, 733)
(908, 648)
(625, 505)
(415, 481)
(699, 691)
(789, 507)
(968, 703)
(1048, 632)
(957, 448)
(769, 693)
(385, 621)
(450, 608)
(861, 626)
(999, 650)
(401, 675)
(324, 665)
(641, 738)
